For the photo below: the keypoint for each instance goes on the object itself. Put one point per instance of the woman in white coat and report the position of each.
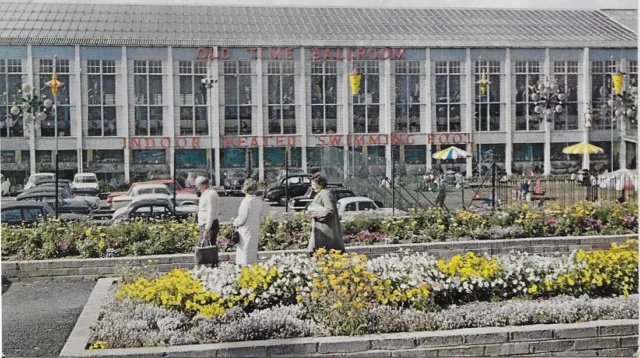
(248, 224)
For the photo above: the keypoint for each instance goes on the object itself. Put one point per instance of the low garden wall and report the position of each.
(89, 269)
(607, 338)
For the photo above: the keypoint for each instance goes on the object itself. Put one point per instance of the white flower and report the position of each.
(26, 88)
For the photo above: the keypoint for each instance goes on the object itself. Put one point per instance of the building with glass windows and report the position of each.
(276, 87)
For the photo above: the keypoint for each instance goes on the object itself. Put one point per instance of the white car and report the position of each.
(160, 190)
(5, 186)
(85, 183)
(34, 178)
(360, 205)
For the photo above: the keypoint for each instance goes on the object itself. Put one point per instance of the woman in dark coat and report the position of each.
(325, 223)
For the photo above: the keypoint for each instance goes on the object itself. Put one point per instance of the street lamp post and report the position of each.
(623, 104)
(355, 77)
(55, 85)
(33, 108)
(207, 85)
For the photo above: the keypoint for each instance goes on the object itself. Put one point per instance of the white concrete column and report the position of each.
(428, 99)
(303, 100)
(547, 124)
(385, 112)
(508, 85)
(78, 99)
(469, 90)
(31, 127)
(260, 114)
(215, 104)
(586, 92)
(347, 113)
(171, 133)
(124, 123)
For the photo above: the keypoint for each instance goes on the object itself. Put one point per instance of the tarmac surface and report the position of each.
(38, 317)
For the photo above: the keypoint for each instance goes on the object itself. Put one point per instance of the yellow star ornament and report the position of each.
(54, 84)
(484, 82)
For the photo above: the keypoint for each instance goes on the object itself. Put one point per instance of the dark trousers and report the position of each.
(215, 229)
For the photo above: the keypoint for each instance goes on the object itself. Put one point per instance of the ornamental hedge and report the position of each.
(54, 239)
(347, 294)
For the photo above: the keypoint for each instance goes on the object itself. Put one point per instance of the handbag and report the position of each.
(206, 255)
(235, 237)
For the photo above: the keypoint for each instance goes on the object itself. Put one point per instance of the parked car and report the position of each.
(301, 202)
(170, 184)
(64, 205)
(361, 205)
(190, 182)
(292, 171)
(31, 212)
(159, 190)
(5, 185)
(234, 180)
(149, 206)
(64, 191)
(297, 186)
(34, 178)
(85, 184)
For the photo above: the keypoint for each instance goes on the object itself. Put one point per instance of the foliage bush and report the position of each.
(53, 239)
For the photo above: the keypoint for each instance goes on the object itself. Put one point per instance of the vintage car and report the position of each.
(301, 202)
(360, 205)
(170, 184)
(5, 185)
(234, 180)
(64, 190)
(31, 212)
(64, 205)
(85, 184)
(159, 190)
(34, 178)
(297, 185)
(150, 206)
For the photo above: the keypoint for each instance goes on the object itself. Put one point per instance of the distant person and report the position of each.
(114, 181)
(441, 195)
(326, 231)
(208, 211)
(248, 224)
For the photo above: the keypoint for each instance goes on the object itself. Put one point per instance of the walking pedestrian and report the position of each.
(441, 195)
(248, 224)
(208, 211)
(325, 222)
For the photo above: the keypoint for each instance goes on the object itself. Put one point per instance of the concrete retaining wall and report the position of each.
(617, 338)
(89, 269)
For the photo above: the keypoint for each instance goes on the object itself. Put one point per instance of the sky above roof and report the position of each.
(521, 4)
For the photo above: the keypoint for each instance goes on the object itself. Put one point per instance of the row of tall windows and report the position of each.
(324, 81)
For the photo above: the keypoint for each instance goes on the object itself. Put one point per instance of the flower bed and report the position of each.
(333, 294)
(52, 239)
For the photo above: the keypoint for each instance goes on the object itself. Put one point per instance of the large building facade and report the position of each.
(276, 88)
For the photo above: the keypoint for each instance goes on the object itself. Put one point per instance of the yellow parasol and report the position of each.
(582, 148)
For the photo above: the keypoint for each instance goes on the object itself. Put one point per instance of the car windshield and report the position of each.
(237, 175)
(86, 179)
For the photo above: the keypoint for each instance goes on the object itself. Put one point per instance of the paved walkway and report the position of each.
(37, 318)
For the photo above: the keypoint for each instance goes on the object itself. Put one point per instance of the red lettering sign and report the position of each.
(182, 142)
(449, 138)
(254, 141)
(398, 55)
(374, 140)
(274, 54)
(288, 53)
(252, 53)
(315, 53)
(136, 142)
(226, 53)
(165, 142)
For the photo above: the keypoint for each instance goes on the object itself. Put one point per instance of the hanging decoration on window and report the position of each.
(354, 79)
(484, 83)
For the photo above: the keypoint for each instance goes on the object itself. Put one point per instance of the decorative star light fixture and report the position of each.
(484, 83)
(33, 107)
(548, 99)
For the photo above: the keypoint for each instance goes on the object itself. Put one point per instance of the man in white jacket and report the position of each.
(208, 211)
